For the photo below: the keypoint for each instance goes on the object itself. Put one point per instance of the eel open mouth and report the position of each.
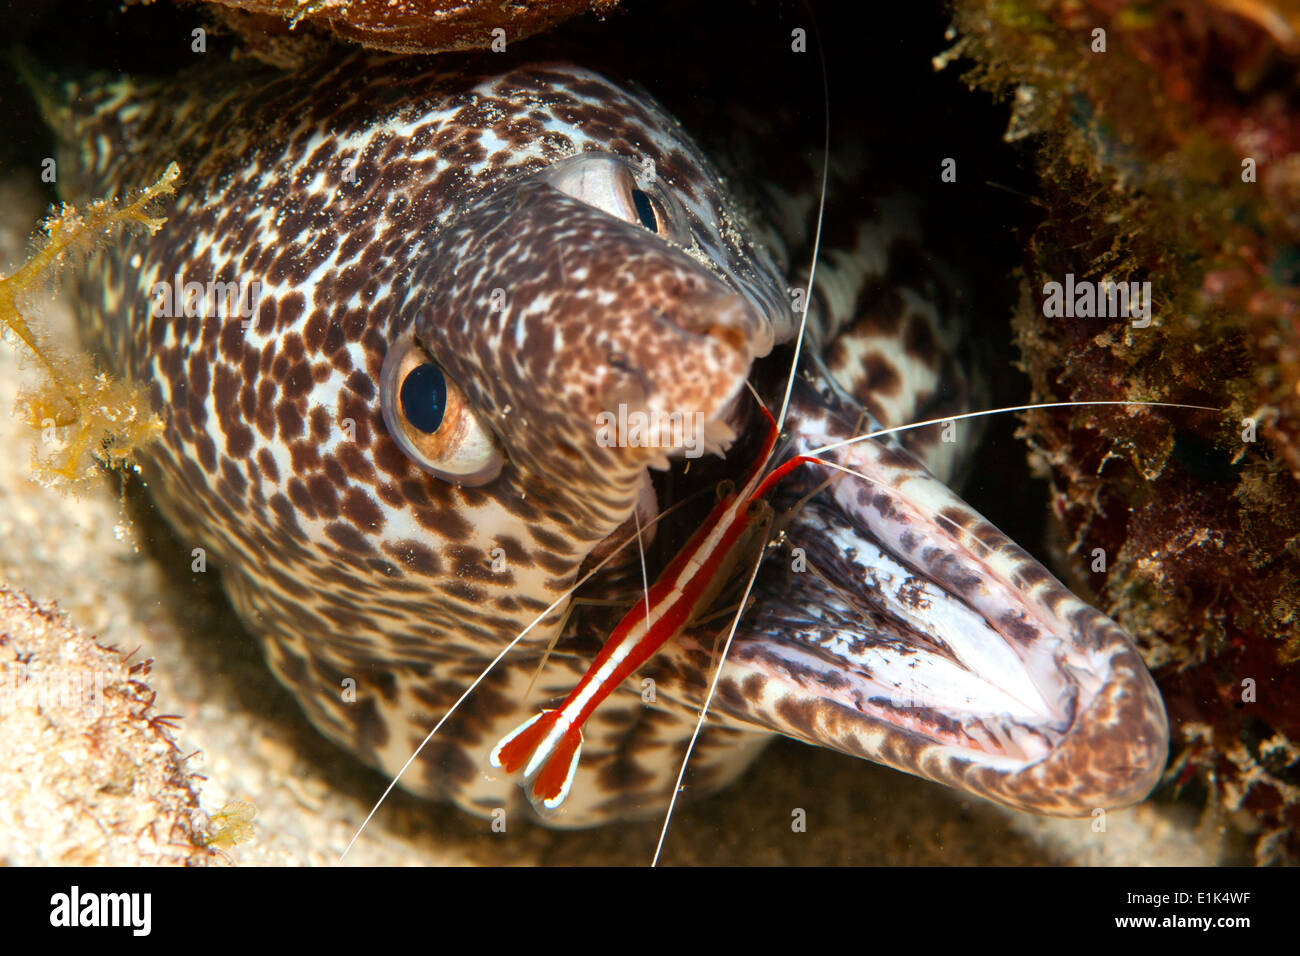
(898, 625)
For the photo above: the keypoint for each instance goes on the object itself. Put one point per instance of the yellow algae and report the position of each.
(83, 415)
(231, 825)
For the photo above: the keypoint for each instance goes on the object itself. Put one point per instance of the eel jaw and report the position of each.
(921, 637)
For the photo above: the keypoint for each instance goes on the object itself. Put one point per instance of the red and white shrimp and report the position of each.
(547, 746)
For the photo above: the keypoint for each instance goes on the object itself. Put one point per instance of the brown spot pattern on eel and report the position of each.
(554, 246)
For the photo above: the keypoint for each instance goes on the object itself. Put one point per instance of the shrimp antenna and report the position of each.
(780, 421)
(880, 432)
(704, 710)
(497, 660)
(821, 212)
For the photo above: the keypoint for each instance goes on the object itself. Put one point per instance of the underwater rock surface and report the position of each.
(1168, 143)
(89, 770)
(409, 26)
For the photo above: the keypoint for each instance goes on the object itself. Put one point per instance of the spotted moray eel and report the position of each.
(558, 246)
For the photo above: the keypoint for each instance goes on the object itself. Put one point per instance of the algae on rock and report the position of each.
(1168, 145)
(102, 419)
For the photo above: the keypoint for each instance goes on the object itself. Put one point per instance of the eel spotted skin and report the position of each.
(559, 247)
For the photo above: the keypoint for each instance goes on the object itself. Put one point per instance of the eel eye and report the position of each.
(614, 185)
(646, 210)
(431, 421)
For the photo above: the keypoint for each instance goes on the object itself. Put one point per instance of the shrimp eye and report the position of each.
(431, 420)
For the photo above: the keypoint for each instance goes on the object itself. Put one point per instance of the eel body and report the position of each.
(560, 252)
